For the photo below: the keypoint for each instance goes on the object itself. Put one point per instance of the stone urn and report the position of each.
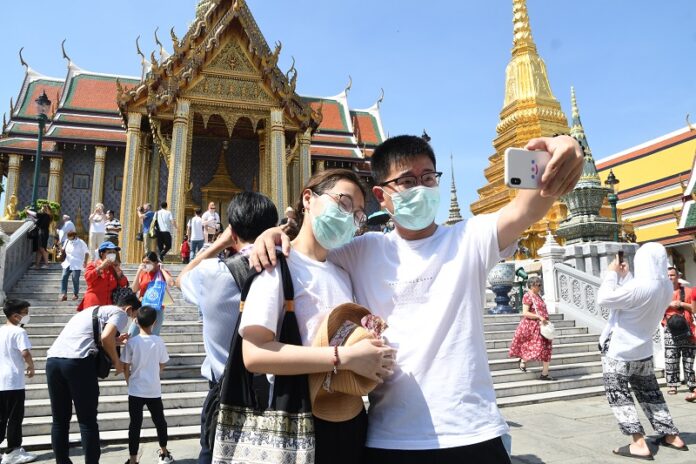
(501, 278)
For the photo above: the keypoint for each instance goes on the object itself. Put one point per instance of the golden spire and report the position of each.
(522, 40)
(454, 212)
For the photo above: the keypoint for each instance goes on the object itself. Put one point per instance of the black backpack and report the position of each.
(678, 325)
(238, 266)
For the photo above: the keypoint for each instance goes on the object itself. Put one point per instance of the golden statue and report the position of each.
(11, 209)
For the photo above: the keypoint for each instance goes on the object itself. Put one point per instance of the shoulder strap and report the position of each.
(682, 295)
(288, 289)
(238, 265)
(95, 326)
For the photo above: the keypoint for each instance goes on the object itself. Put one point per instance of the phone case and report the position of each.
(524, 168)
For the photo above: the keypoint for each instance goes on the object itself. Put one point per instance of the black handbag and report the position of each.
(33, 233)
(119, 292)
(251, 430)
(678, 325)
(103, 360)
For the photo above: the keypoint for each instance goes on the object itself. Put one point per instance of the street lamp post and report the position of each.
(613, 199)
(43, 104)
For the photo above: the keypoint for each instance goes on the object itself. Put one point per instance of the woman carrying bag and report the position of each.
(150, 284)
(528, 343)
(285, 308)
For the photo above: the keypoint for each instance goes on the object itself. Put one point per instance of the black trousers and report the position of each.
(487, 452)
(11, 417)
(340, 442)
(135, 411)
(164, 244)
(206, 454)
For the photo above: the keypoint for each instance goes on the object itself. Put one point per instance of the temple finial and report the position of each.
(454, 210)
(381, 98)
(350, 84)
(574, 103)
(21, 59)
(65, 55)
(522, 31)
(137, 47)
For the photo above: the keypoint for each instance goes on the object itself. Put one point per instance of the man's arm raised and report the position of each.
(560, 177)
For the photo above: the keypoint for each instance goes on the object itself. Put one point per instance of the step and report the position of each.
(119, 420)
(559, 340)
(107, 387)
(497, 334)
(169, 372)
(559, 395)
(534, 369)
(69, 308)
(169, 327)
(571, 358)
(499, 326)
(179, 315)
(172, 348)
(514, 318)
(564, 348)
(177, 359)
(116, 403)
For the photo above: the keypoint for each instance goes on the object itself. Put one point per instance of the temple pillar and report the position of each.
(305, 157)
(98, 177)
(55, 180)
(178, 162)
(12, 187)
(278, 166)
(264, 164)
(129, 218)
(153, 176)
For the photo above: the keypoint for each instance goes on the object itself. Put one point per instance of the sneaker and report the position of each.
(45, 266)
(164, 458)
(18, 456)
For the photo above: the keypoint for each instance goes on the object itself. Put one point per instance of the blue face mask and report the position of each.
(333, 228)
(415, 208)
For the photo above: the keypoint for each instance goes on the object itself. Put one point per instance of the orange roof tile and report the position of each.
(15, 143)
(76, 133)
(339, 152)
(92, 120)
(36, 88)
(333, 115)
(366, 128)
(94, 93)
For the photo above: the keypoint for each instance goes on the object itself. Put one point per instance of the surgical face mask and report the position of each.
(25, 320)
(111, 257)
(149, 267)
(415, 208)
(332, 228)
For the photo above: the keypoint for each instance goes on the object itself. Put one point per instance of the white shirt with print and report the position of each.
(13, 341)
(145, 353)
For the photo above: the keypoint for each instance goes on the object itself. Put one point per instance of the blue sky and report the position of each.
(441, 63)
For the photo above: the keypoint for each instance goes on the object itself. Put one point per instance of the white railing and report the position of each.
(15, 258)
(577, 297)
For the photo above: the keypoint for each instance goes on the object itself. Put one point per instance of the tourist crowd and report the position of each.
(296, 330)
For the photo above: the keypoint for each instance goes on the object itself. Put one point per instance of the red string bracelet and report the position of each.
(337, 360)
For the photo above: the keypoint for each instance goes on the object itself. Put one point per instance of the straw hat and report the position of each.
(347, 388)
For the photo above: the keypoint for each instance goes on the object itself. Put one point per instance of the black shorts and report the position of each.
(340, 442)
(487, 452)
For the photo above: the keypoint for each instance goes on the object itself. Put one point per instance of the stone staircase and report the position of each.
(575, 363)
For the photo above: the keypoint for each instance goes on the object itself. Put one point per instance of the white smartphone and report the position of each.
(524, 168)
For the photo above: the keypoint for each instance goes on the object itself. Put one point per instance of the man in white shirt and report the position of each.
(211, 223)
(636, 305)
(166, 224)
(439, 405)
(113, 227)
(208, 283)
(76, 258)
(195, 233)
(67, 227)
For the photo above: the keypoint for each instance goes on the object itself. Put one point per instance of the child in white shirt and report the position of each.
(144, 357)
(14, 353)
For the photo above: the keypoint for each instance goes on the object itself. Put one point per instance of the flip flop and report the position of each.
(663, 442)
(672, 391)
(691, 397)
(523, 366)
(626, 452)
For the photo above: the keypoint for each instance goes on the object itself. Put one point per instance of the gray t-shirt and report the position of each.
(76, 340)
(211, 287)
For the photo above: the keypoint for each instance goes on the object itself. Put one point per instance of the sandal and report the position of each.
(523, 366)
(626, 452)
(546, 377)
(672, 391)
(662, 441)
(691, 397)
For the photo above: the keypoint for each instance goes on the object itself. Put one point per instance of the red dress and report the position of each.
(99, 286)
(528, 343)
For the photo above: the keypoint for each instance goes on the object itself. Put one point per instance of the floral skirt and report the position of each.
(528, 343)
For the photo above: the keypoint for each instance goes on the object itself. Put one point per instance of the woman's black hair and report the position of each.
(151, 256)
(250, 213)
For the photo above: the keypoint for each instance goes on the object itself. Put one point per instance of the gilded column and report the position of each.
(278, 166)
(264, 165)
(129, 217)
(153, 188)
(55, 179)
(98, 177)
(178, 162)
(12, 187)
(305, 157)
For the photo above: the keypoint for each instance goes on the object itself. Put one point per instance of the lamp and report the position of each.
(43, 105)
(613, 198)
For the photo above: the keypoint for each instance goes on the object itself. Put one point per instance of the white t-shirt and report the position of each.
(164, 220)
(145, 353)
(75, 251)
(97, 224)
(196, 226)
(219, 304)
(211, 221)
(319, 287)
(431, 292)
(13, 340)
(76, 340)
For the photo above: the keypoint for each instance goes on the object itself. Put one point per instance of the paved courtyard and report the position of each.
(574, 432)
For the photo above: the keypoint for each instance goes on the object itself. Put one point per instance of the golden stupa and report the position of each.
(530, 110)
